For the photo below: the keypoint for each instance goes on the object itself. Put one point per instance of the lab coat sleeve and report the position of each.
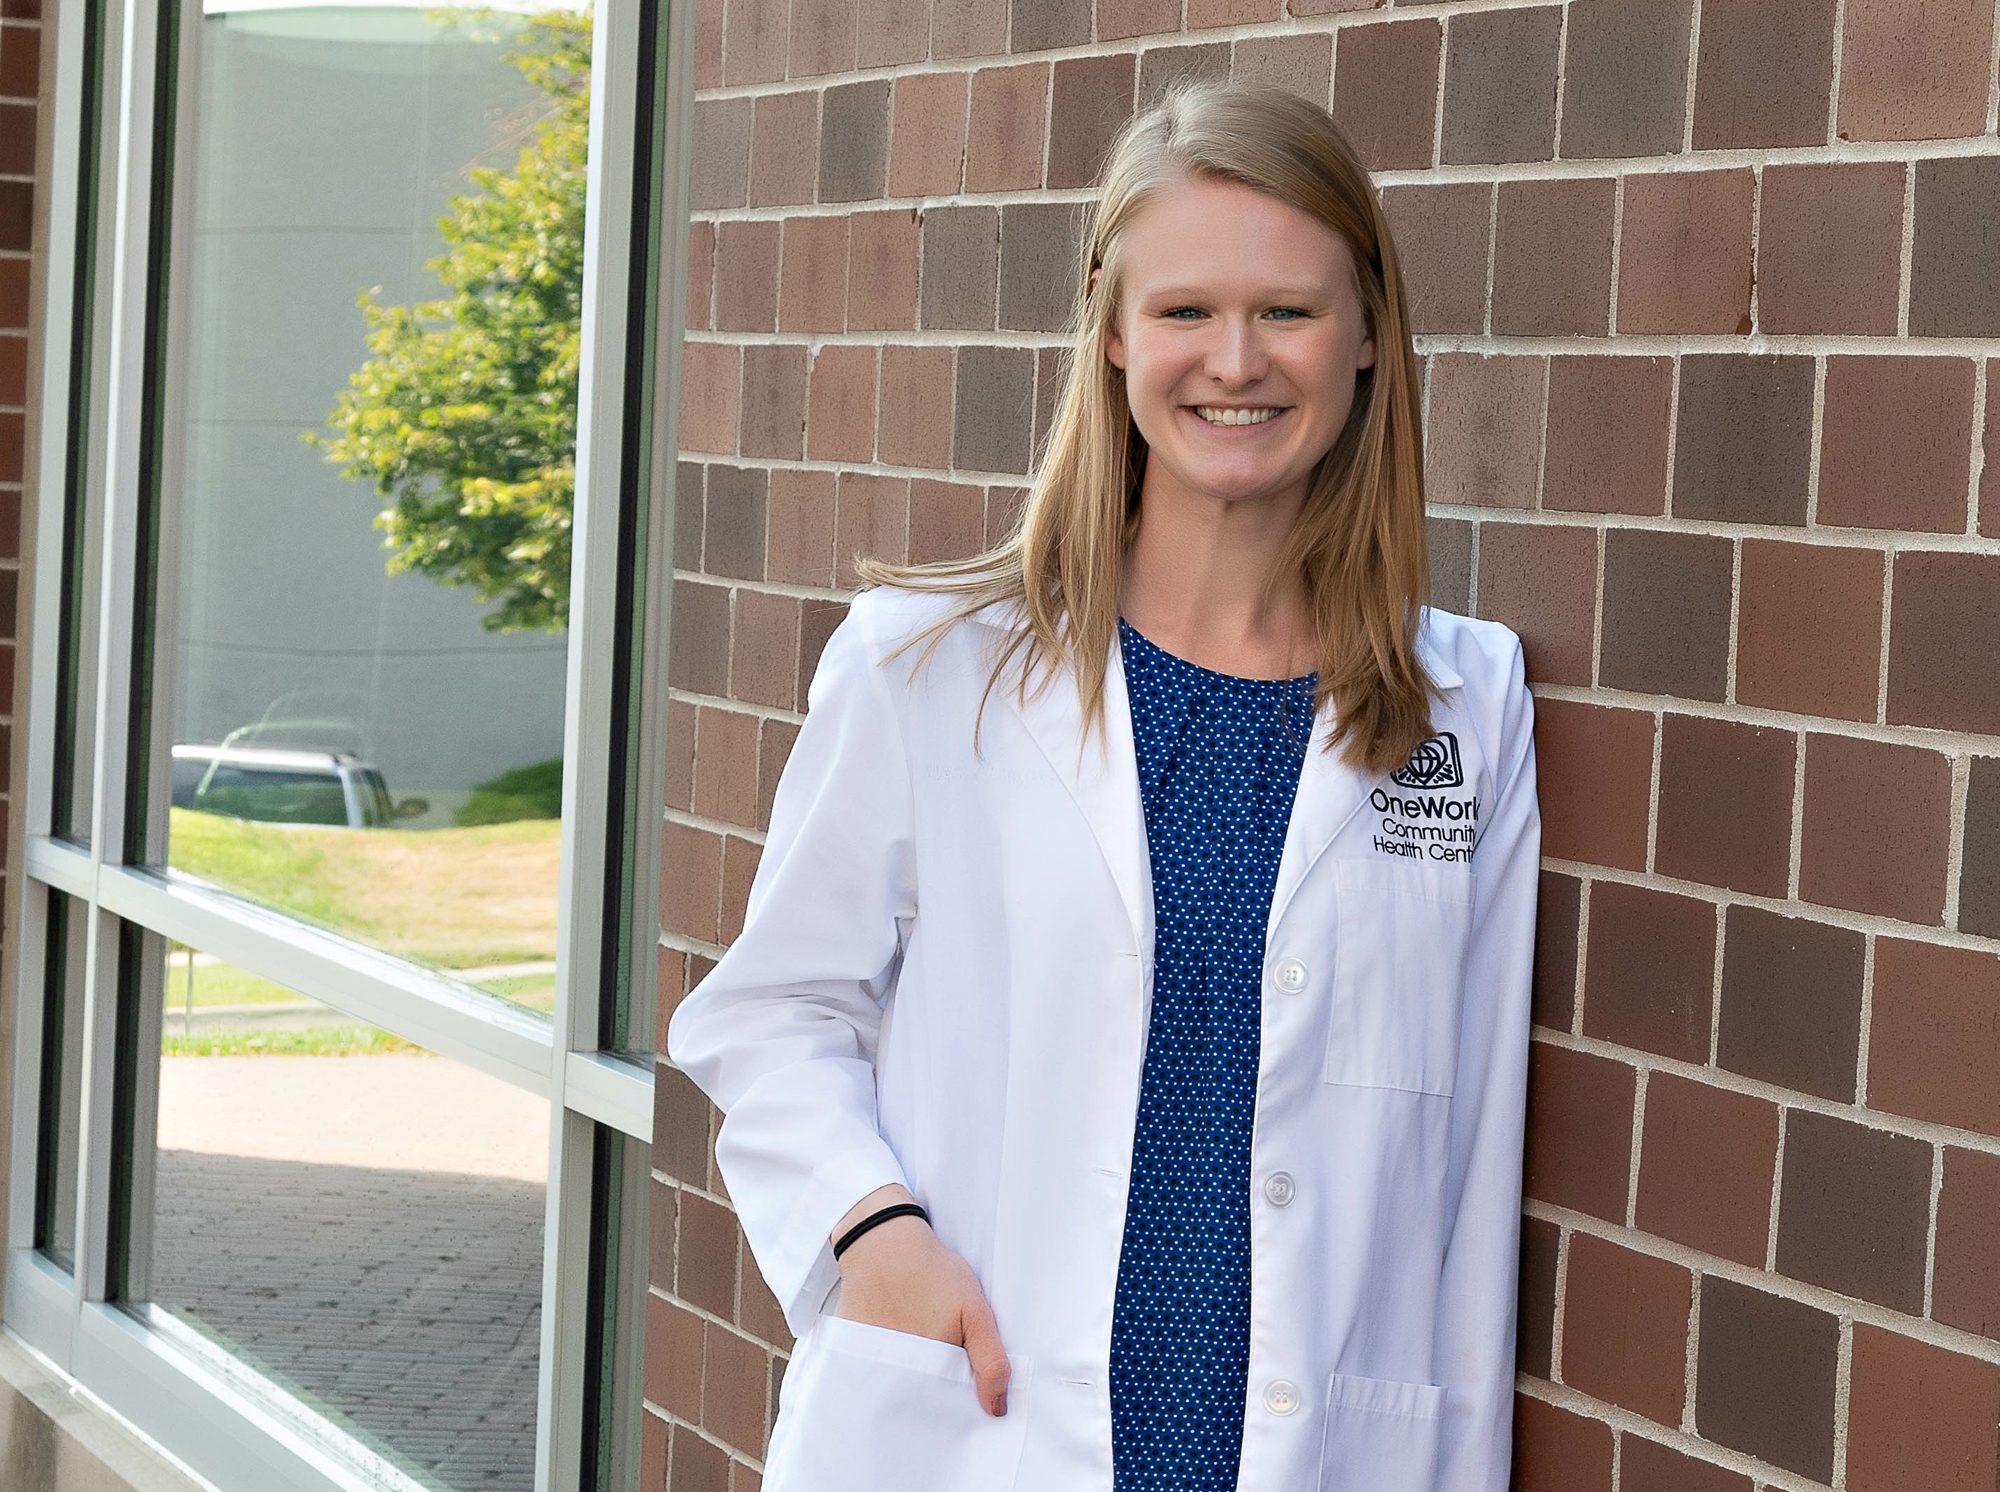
(782, 1033)
(1478, 1295)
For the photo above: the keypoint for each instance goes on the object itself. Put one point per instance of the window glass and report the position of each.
(62, 1079)
(363, 561)
(359, 1219)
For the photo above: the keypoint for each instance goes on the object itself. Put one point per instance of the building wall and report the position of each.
(1705, 292)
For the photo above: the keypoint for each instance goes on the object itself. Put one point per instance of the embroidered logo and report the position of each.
(1434, 764)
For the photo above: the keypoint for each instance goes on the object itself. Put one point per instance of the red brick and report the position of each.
(1541, 580)
(764, 650)
(725, 764)
(882, 257)
(1934, 1034)
(1484, 429)
(711, 396)
(1645, 1466)
(695, 1464)
(1896, 443)
(1595, 776)
(840, 407)
(746, 274)
(1625, 1328)
(705, 1256)
(735, 1388)
(1649, 972)
(673, 1356)
(1579, 1147)
(1684, 252)
(1556, 932)
(774, 401)
(1440, 234)
(691, 882)
(1552, 257)
(1965, 1284)
(916, 406)
(1869, 806)
(1003, 141)
(1705, 1167)
(1809, 628)
(1605, 450)
(798, 539)
(1557, 1451)
(812, 286)
(1829, 247)
(1989, 476)
(927, 142)
(1541, 1242)
(1914, 72)
(947, 519)
(1920, 1417)
(784, 148)
(1385, 88)
(1725, 815)
(1944, 633)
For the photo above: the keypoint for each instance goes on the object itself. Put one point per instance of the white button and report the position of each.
(1278, 1190)
(1290, 974)
(1281, 1396)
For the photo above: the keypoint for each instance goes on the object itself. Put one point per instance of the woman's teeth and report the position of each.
(1235, 416)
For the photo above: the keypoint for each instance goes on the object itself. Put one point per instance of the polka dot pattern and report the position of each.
(1219, 759)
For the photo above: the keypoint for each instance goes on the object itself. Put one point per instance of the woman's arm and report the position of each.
(781, 1034)
(1478, 1293)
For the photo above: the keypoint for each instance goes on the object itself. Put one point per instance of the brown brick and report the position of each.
(774, 401)
(1914, 72)
(1450, 545)
(13, 292)
(653, 1457)
(1726, 804)
(1965, 1285)
(1809, 628)
(691, 882)
(700, 302)
(673, 1356)
(1328, 7)
(1440, 235)
(1299, 62)
(916, 408)
(736, 510)
(1092, 99)
(1979, 862)
(1542, 581)
(961, 267)
(1625, 1326)
(735, 1388)
(718, 175)
(1920, 1416)
(1764, 1381)
(1666, 613)
(759, 1314)
(764, 651)
(1829, 247)
(1042, 24)
(20, 62)
(1791, 1002)
(1579, 1130)
(695, 1464)
(1944, 633)
(1160, 68)
(967, 28)
(1556, 930)
(1117, 19)
(680, 755)
(1871, 806)
(1500, 85)
(1625, 78)
(1385, 87)
(1705, 1167)
(1933, 1042)
(799, 525)
(725, 764)
(1552, 257)
(854, 141)
(1646, 1466)
(840, 404)
(775, 742)
(1763, 73)
(1041, 264)
(1484, 429)
(947, 519)
(927, 140)
(681, 1120)
(991, 422)
(1202, 13)
(1684, 252)
(872, 517)
(1595, 780)
(698, 639)
(739, 868)
(756, 39)
(1989, 476)
(1003, 143)
(1605, 450)
(711, 397)
(1953, 290)
(1896, 450)
(890, 32)
(1854, 1210)
(705, 1256)
(1535, 1343)
(882, 270)
(784, 147)
(1745, 441)
(1557, 1451)
(746, 276)
(1649, 970)
(812, 286)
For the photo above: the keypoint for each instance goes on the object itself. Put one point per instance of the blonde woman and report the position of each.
(1123, 1085)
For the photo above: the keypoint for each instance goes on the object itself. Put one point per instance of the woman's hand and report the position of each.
(899, 1275)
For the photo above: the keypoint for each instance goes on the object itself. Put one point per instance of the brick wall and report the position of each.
(1706, 293)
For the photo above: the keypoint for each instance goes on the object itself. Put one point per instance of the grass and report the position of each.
(316, 1041)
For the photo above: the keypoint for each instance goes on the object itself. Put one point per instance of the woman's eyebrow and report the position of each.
(1275, 292)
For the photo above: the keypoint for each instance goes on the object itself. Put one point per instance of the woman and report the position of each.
(1149, 1115)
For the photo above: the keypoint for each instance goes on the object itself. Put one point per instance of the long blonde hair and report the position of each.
(1359, 540)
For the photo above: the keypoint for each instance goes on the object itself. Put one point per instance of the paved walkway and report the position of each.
(367, 1231)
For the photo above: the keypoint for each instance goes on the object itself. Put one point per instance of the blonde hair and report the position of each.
(1358, 542)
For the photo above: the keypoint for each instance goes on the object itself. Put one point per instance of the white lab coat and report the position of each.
(944, 979)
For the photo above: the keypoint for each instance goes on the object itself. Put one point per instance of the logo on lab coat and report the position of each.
(1433, 764)
(1431, 823)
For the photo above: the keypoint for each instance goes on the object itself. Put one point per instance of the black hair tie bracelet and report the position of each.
(900, 1209)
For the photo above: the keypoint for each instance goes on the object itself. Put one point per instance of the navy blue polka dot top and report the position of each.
(1219, 757)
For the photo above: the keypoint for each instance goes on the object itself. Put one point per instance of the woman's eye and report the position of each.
(1290, 312)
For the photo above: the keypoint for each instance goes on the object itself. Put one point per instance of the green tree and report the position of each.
(464, 414)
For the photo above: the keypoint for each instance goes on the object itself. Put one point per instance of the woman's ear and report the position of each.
(1114, 344)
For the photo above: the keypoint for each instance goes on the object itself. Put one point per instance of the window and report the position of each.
(333, 1084)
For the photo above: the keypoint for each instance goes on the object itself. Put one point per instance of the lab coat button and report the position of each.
(1291, 975)
(1278, 1190)
(1281, 1396)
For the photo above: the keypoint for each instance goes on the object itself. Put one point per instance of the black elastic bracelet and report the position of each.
(900, 1209)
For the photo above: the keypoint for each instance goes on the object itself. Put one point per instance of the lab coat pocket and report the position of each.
(884, 1408)
(1398, 964)
(1380, 1436)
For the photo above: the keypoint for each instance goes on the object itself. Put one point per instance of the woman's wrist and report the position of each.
(875, 1201)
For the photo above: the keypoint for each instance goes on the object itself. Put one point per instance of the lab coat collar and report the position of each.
(1105, 780)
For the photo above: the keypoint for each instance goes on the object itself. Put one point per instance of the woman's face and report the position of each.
(1235, 300)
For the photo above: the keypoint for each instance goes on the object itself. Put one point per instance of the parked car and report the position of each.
(285, 785)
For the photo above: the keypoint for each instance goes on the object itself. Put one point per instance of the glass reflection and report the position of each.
(365, 555)
(357, 1218)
